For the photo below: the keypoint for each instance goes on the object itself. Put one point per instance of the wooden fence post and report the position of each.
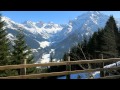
(25, 67)
(68, 67)
(23, 70)
(102, 66)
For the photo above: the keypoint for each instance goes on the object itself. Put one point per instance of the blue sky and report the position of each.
(59, 17)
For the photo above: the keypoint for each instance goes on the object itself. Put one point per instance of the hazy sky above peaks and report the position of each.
(60, 17)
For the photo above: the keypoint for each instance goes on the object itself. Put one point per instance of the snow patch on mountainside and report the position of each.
(44, 29)
(45, 58)
(70, 27)
(11, 37)
(94, 18)
(44, 44)
(11, 24)
(34, 50)
(52, 51)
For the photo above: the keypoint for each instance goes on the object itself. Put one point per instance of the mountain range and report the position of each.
(56, 39)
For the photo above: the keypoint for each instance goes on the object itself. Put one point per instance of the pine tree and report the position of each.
(99, 39)
(85, 48)
(118, 41)
(30, 60)
(105, 41)
(95, 44)
(52, 68)
(118, 44)
(4, 50)
(111, 25)
(22, 52)
(4, 45)
(109, 38)
(51, 57)
(65, 56)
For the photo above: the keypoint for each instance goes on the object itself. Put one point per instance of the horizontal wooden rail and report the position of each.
(57, 73)
(93, 61)
(58, 63)
(30, 65)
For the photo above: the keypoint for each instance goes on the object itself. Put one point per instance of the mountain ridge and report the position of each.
(47, 38)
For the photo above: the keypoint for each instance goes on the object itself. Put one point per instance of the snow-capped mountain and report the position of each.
(45, 38)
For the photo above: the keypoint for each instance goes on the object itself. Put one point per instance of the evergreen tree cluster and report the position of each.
(15, 55)
(105, 41)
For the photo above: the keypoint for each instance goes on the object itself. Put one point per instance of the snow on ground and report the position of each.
(46, 57)
(74, 76)
(82, 75)
(95, 74)
(113, 65)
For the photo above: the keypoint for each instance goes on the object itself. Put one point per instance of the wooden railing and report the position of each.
(31, 76)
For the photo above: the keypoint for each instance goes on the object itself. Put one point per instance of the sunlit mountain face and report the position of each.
(47, 38)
